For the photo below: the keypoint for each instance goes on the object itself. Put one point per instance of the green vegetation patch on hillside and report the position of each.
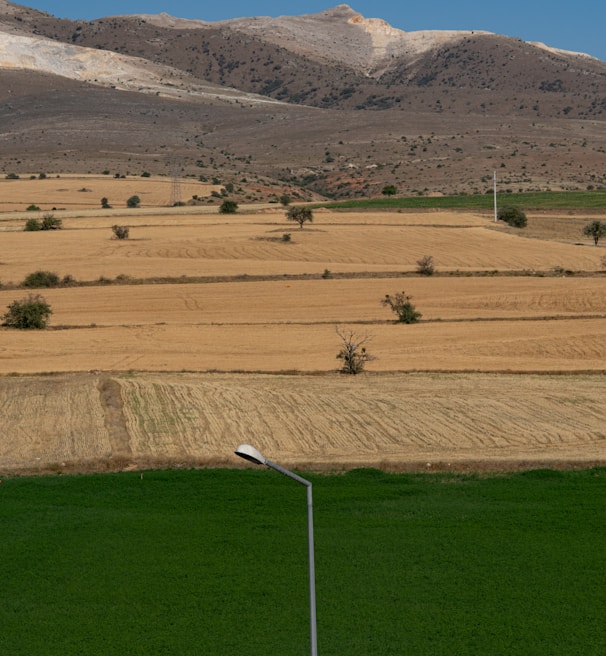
(215, 562)
(537, 200)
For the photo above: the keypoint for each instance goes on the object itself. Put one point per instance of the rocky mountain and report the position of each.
(333, 102)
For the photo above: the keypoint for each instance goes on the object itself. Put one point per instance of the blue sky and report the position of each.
(578, 26)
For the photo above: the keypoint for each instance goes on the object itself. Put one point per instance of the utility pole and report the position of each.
(494, 185)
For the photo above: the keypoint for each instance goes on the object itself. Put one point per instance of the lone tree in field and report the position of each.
(29, 313)
(105, 204)
(513, 216)
(353, 353)
(299, 214)
(595, 230)
(133, 201)
(401, 306)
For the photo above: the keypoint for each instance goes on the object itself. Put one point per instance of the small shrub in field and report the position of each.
(32, 208)
(513, 216)
(401, 306)
(41, 279)
(28, 313)
(286, 236)
(133, 201)
(120, 232)
(353, 353)
(327, 274)
(425, 266)
(228, 207)
(105, 204)
(51, 222)
(32, 225)
(12, 176)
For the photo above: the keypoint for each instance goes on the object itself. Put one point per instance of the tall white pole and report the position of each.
(494, 185)
(310, 544)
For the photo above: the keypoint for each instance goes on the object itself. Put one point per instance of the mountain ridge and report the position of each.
(357, 105)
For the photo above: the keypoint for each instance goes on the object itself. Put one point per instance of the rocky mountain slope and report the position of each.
(296, 100)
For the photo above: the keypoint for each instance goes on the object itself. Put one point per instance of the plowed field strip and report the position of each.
(376, 420)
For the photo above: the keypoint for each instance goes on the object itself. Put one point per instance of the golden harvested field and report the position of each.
(230, 295)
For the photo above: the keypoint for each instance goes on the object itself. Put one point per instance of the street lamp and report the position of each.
(252, 455)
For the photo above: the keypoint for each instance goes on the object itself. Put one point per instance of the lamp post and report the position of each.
(252, 455)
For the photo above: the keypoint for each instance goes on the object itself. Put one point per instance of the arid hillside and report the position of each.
(243, 102)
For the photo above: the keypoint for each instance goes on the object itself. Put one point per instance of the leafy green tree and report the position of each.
(228, 207)
(389, 190)
(300, 214)
(133, 201)
(353, 351)
(596, 230)
(29, 313)
(513, 216)
(401, 306)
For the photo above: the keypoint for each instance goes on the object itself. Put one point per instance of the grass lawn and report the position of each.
(215, 562)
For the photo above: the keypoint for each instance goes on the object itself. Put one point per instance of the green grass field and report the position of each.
(527, 201)
(215, 562)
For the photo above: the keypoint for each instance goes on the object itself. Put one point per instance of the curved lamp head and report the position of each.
(251, 454)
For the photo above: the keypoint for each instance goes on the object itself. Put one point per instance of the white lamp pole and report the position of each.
(252, 455)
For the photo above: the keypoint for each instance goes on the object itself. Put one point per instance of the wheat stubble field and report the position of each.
(220, 332)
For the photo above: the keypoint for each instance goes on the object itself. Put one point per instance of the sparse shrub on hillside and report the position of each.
(425, 266)
(353, 351)
(513, 216)
(401, 306)
(285, 200)
(389, 190)
(120, 232)
(133, 201)
(596, 230)
(228, 207)
(41, 279)
(28, 313)
(300, 215)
